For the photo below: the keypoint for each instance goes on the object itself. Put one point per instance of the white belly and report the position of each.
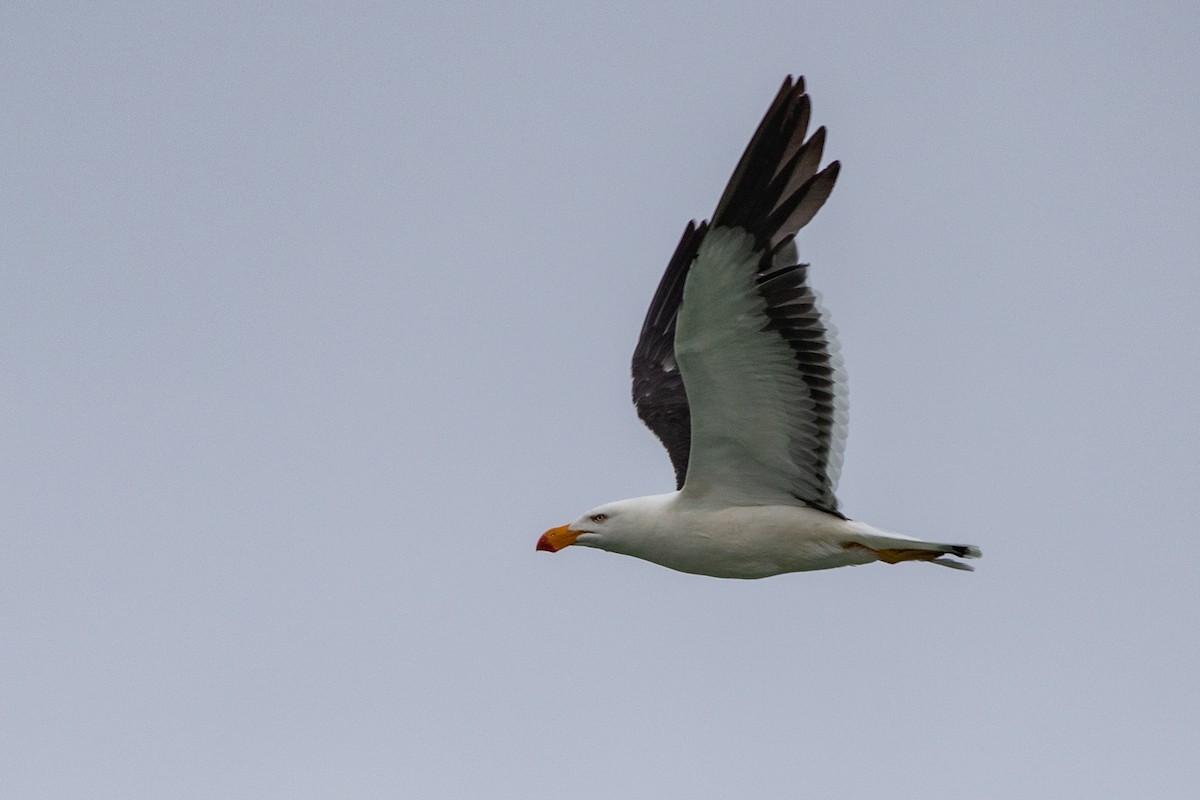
(750, 541)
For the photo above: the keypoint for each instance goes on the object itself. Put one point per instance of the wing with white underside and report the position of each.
(763, 382)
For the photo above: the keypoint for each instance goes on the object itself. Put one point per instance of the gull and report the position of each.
(737, 372)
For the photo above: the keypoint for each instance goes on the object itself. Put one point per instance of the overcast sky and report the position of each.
(314, 316)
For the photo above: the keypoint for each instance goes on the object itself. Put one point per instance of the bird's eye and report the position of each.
(599, 517)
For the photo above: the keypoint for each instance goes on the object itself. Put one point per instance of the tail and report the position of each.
(892, 548)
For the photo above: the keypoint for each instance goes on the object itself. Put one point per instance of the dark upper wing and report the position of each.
(774, 191)
(658, 392)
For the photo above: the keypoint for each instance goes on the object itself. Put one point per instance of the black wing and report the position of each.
(658, 392)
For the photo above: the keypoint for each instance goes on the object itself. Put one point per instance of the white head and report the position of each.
(619, 527)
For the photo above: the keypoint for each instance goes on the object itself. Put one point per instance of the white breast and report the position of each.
(746, 541)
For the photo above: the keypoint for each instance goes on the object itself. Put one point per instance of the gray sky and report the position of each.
(313, 318)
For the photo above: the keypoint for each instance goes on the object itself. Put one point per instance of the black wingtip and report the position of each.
(776, 188)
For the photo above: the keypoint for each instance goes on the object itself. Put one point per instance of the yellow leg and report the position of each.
(896, 556)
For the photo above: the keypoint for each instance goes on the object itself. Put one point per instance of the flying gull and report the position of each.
(738, 374)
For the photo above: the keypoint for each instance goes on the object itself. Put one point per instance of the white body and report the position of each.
(686, 533)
